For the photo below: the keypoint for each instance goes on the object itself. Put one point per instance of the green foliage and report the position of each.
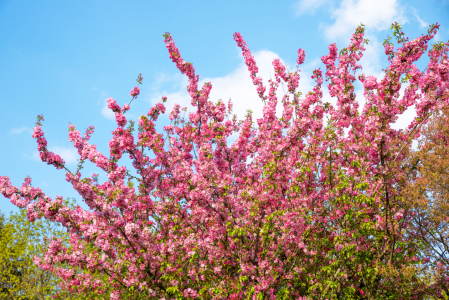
(20, 242)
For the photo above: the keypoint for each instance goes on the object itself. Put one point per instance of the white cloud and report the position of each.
(421, 22)
(376, 15)
(371, 60)
(102, 100)
(163, 79)
(20, 130)
(308, 6)
(407, 116)
(102, 93)
(68, 154)
(237, 86)
(403, 120)
(35, 156)
(437, 37)
(106, 112)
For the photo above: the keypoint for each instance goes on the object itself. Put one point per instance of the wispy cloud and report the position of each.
(371, 60)
(102, 93)
(68, 154)
(168, 80)
(102, 100)
(302, 7)
(20, 130)
(421, 22)
(237, 86)
(106, 112)
(407, 116)
(376, 15)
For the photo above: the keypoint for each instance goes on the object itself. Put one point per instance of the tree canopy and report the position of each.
(304, 204)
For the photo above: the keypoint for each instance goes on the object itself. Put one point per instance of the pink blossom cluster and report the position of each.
(135, 92)
(251, 63)
(292, 79)
(46, 156)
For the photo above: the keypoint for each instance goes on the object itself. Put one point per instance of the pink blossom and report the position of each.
(135, 92)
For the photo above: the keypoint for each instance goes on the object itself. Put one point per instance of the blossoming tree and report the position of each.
(300, 206)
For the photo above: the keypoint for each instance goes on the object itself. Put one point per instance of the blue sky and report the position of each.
(63, 59)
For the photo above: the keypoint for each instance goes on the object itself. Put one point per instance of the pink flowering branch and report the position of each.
(252, 66)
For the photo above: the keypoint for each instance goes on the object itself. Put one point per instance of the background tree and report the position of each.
(427, 191)
(20, 241)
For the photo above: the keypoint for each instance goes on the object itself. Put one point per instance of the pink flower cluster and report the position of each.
(135, 92)
(46, 156)
(251, 63)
